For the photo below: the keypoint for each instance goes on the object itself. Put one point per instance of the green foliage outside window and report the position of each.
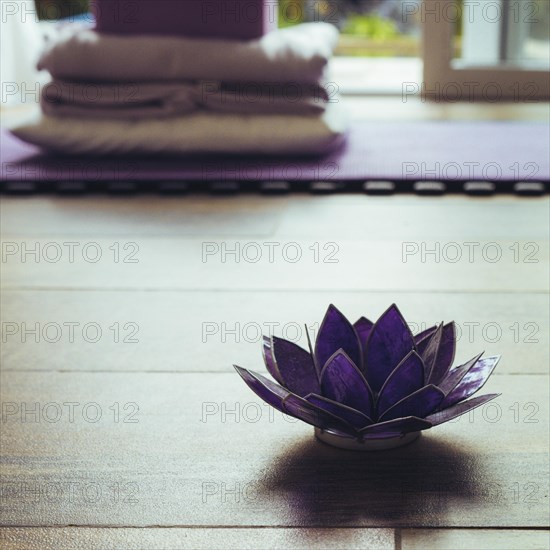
(370, 26)
(291, 12)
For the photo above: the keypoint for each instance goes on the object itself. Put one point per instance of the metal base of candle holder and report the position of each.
(368, 444)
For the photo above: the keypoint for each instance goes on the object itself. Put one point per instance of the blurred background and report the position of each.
(375, 28)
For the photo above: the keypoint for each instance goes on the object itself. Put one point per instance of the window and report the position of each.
(487, 50)
(380, 44)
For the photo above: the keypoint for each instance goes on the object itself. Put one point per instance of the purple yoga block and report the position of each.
(235, 19)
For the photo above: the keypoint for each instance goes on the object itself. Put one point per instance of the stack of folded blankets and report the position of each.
(116, 93)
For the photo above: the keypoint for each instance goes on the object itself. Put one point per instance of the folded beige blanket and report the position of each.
(200, 132)
(296, 54)
(164, 99)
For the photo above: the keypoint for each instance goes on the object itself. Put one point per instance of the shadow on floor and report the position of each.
(420, 484)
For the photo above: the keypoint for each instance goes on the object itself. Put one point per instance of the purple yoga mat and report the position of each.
(409, 151)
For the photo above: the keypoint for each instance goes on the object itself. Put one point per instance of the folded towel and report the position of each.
(163, 99)
(126, 101)
(296, 54)
(199, 132)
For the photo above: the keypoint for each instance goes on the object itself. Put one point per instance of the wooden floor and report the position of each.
(124, 425)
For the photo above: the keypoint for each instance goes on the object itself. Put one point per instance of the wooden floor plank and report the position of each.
(194, 539)
(252, 244)
(298, 265)
(140, 216)
(204, 331)
(205, 452)
(449, 218)
(480, 539)
(343, 216)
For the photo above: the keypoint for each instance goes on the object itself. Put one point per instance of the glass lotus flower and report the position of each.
(371, 381)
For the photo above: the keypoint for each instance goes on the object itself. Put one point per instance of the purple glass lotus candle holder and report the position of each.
(371, 386)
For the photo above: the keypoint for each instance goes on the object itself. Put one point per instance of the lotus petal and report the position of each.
(295, 367)
(420, 403)
(291, 404)
(336, 333)
(405, 379)
(353, 416)
(397, 426)
(457, 374)
(363, 327)
(269, 359)
(422, 344)
(458, 409)
(424, 334)
(307, 412)
(390, 340)
(343, 382)
(445, 354)
(472, 382)
(428, 351)
(265, 389)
